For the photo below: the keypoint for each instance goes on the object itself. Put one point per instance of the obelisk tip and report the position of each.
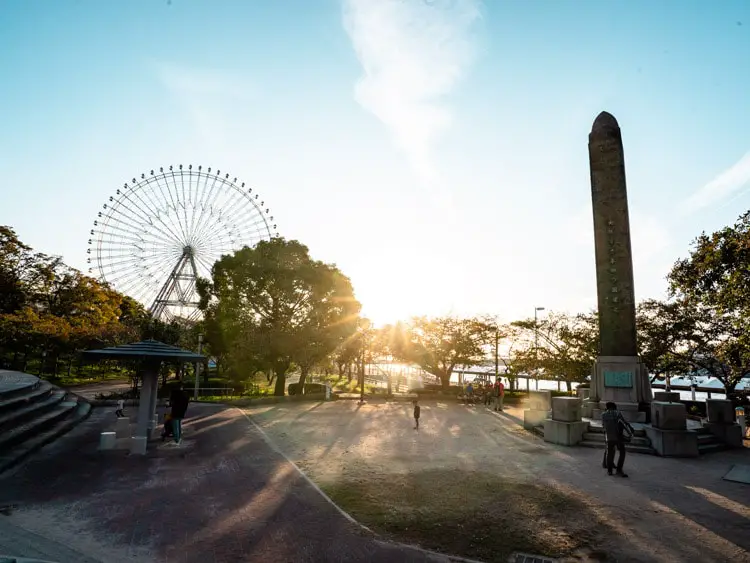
(604, 121)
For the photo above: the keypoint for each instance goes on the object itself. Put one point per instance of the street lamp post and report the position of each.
(497, 355)
(363, 324)
(198, 367)
(536, 346)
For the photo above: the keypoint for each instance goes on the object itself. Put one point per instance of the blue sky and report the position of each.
(437, 152)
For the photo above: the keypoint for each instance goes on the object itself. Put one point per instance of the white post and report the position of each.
(198, 367)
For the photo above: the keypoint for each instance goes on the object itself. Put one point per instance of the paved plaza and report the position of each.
(668, 510)
(229, 496)
(225, 497)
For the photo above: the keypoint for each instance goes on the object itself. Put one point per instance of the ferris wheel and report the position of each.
(159, 233)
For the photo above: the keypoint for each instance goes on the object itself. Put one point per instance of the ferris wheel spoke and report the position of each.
(125, 218)
(158, 210)
(216, 185)
(163, 184)
(162, 208)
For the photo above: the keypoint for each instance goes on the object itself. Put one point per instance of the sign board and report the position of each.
(618, 379)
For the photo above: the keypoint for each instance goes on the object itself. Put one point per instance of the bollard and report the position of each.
(107, 440)
(740, 415)
(122, 428)
(138, 445)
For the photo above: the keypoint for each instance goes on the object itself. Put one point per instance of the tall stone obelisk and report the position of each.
(618, 375)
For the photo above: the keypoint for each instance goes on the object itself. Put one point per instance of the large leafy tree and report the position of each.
(440, 344)
(712, 288)
(275, 306)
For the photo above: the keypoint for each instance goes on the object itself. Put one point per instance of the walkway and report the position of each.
(226, 497)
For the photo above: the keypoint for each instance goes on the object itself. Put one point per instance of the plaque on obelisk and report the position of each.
(618, 375)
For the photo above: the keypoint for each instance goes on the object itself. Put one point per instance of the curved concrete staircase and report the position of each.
(33, 413)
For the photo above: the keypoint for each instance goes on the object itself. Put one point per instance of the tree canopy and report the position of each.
(273, 306)
(440, 344)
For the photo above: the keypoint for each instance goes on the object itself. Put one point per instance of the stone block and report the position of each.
(566, 409)
(107, 441)
(730, 434)
(720, 410)
(533, 418)
(587, 408)
(668, 416)
(564, 433)
(122, 428)
(583, 393)
(540, 400)
(667, 396)
(138, 445)
(673, 443)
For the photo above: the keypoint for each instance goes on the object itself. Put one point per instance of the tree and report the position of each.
(274, 306)
(567, 346)
(712, 288)
(440, 344)
(663, 336)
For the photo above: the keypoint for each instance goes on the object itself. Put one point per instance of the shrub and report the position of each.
(310, 388)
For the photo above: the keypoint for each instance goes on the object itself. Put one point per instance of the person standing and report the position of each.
(500, 395)
(416, 414)
(120, 407)
(179, 402)
(615, 426)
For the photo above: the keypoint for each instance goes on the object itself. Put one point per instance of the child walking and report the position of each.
(120, 406)
(416, 414)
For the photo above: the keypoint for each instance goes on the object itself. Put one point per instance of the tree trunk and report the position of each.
(445, 380)
(302, 379)
(390, 384)
(349, 372)
(279, 371)
(568, 385)
(70, 365)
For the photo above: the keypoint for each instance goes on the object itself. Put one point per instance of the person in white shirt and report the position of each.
(120, 406)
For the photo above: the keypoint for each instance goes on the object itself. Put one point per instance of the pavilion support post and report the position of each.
(148, 394)
(152, 422)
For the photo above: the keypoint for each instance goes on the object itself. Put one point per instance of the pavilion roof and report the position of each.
(148, 349)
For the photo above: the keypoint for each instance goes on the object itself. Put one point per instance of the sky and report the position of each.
(434, 150)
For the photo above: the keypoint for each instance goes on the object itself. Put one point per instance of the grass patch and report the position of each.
(471, 514)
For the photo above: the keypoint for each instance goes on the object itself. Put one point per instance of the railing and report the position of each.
(222, 391)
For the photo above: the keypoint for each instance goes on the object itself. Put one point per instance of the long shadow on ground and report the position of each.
(227, 496)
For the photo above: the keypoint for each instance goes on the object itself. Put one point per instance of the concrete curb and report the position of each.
(344, 513)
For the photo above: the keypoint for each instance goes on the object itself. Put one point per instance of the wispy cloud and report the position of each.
(413, 53)
(724, 185)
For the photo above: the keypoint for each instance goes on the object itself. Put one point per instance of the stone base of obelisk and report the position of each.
(624, 381)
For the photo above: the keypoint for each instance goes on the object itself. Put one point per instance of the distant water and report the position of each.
(552, 386)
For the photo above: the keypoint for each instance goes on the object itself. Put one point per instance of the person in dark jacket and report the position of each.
(614, 425)
(179, 402)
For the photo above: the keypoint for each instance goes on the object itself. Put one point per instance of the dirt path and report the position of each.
(226, 497)
(669, 509)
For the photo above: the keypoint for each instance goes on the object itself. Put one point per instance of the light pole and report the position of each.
(198, 367)
(363, 324)
(44, 359)
(536, 346)
(497, 355)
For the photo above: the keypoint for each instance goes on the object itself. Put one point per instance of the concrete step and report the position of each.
(707, 438)
(632, 448)
(35, 408)
(39, 392)
(595, 429)
(636, 441)
(78, 413)
(36, 425)
(26, 385)
(710, 448)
